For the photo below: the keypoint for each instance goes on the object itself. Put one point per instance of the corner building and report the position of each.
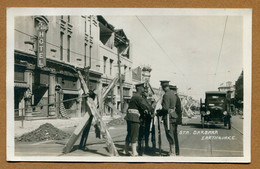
(47, 51)
(114, 44)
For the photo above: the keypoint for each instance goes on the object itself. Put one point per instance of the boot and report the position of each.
(134, 151)
(172, 150)
(146, 146)
(126, 148)
(141, 148)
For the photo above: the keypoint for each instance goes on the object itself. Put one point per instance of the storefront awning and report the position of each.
(127, 97)
(21, 85)
(76, 92)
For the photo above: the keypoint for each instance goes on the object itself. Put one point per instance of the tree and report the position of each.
(239, 91)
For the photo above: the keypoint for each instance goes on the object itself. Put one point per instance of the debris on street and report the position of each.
(116, 122)
(45, 132)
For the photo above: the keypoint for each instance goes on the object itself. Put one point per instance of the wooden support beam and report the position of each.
(74, 137)
(85, 133)
(103, 127)
(83, 83)
(120, 79)
(86, 121)
(106, 92)
(110, 87)
(113, 108)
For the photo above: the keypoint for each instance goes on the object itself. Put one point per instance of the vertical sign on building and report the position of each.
(41, 46)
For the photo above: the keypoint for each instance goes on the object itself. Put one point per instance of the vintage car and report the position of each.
(215, 109)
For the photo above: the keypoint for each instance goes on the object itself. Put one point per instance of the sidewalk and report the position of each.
(62, 124)
(237, 122)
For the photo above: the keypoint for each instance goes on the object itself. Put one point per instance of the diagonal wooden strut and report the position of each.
(92, 111)
(110, 87)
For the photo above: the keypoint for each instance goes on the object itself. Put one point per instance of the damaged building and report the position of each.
(47, 50)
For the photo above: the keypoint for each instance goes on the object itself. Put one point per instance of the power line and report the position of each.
(221, 44)
(184, 79)
(220, 50)
(158, 43)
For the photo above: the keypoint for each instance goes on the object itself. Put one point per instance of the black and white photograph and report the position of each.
(129, 85)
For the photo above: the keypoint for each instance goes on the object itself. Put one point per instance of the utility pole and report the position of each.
(120, 79)
(90, 47)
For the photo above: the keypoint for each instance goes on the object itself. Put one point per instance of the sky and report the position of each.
(186, 49)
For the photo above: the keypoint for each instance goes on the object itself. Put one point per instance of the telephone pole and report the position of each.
(120, 80)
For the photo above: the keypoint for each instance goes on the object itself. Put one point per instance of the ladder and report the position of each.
(87, 119)
(63, 113)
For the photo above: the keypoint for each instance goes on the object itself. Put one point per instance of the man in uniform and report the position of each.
(179, 118)
(145, 121)
(169, 115)
(137, 107)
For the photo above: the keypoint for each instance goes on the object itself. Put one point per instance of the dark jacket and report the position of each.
(169, 102)
(137, 102)
(148, 115)
(178, 110)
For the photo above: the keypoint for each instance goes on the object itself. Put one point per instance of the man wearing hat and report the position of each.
(145, 121)
(137, 107)
(179, 118)
(169, 115)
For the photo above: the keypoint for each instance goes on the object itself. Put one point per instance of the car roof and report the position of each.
(215, 92)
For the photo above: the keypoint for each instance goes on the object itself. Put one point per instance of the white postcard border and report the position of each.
(247, 65)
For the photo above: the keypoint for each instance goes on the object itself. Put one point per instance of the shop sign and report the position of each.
(42, 29)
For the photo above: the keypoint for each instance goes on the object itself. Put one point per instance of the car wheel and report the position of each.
(202, 122)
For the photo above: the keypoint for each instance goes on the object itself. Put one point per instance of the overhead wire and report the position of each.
(158, 44)
(220, 51)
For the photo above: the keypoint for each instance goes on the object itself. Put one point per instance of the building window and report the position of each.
(61, 17)
(125, 68)
(85, 26)
(126, 92)
(61, 45)
(111, 66)
(85, 54)
(68, 19)
(105, 63)
(68, 49)
(90, 50)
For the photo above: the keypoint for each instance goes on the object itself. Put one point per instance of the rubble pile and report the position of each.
(117, 122)
(45, 132)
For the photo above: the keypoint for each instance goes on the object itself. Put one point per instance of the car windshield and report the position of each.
(215, 101)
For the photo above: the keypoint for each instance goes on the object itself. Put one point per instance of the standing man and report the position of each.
(145, 121)
(169, 115)
(137, 107)
(179, 118)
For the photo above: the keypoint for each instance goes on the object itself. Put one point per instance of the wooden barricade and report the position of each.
(85, 123)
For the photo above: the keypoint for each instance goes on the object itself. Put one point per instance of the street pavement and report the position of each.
(212, 141)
